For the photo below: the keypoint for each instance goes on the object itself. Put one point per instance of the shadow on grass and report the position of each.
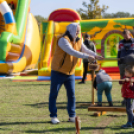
(73, 129)
(116, 115)
(26, 85)
(21, 123)
(63, 105)
(60, 105)
(51, 130)
(65, 129)
(126, 132)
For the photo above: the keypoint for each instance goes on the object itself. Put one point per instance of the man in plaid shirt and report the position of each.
(126, 47)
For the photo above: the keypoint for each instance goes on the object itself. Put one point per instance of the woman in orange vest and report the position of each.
(69, 48)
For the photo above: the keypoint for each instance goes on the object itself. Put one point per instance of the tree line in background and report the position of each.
(40, 18)
(117, 15)
(93, 10)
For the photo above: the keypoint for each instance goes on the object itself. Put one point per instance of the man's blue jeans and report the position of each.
(104, 86)
(57, 79)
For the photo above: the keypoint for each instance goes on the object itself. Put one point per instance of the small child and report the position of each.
(128, 94)
(102, 83)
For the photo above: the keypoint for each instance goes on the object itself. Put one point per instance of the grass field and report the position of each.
(24, 110)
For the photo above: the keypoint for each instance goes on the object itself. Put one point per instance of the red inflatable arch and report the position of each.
(64, 15)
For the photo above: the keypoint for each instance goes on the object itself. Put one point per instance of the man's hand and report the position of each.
(99, 57)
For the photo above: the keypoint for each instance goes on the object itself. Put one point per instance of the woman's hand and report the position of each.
(91, 59)
(99, 57)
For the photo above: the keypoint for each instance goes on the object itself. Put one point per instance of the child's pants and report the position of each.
(104, 86)
(129, 109)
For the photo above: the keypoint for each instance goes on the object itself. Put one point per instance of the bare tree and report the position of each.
(92, 10)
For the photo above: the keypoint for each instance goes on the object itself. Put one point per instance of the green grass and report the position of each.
(24, 110)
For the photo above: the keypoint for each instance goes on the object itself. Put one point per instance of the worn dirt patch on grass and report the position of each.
(101, 126)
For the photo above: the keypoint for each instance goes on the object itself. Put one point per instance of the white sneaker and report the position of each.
(55, 120)
(71, 119)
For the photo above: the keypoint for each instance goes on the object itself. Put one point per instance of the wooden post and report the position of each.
(92, 76)
(77, 125)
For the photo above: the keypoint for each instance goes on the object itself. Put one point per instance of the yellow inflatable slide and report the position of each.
(19, 40)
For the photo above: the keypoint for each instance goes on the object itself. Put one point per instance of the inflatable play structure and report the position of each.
(50, 32)
(19, 40)
(105, 33)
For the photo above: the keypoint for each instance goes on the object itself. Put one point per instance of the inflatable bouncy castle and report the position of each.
(105, 33)
(50, 32)
(19, 40)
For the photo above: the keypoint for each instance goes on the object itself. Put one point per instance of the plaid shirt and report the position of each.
(125, 48)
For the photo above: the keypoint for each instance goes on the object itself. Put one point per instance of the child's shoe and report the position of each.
(82, 82)
(99, 104)
(110, 104)
(55, 120)
(128, 125)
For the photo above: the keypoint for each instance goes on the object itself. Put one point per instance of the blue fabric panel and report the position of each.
(78, 77)
(9, 18)
(41, 78)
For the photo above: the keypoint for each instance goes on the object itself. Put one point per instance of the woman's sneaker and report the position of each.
(128, 125)
(71, 119)
(55, 120)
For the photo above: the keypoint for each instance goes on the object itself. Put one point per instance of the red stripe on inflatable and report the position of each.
(64, 15)
(111, 69)
(99, 51)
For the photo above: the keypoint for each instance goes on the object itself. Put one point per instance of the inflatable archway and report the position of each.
(67, 15)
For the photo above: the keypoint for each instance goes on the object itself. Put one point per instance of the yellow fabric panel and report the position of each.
(60, 28)
(32, 46)
(13, 48)
(1, 1)
(11, 28)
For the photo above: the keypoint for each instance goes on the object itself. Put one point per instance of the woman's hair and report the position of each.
(67, 33)
(130, 69)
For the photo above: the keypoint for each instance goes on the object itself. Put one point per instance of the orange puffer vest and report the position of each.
(63, 62)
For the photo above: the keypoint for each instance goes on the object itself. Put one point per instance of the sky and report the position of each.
(45, 7)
